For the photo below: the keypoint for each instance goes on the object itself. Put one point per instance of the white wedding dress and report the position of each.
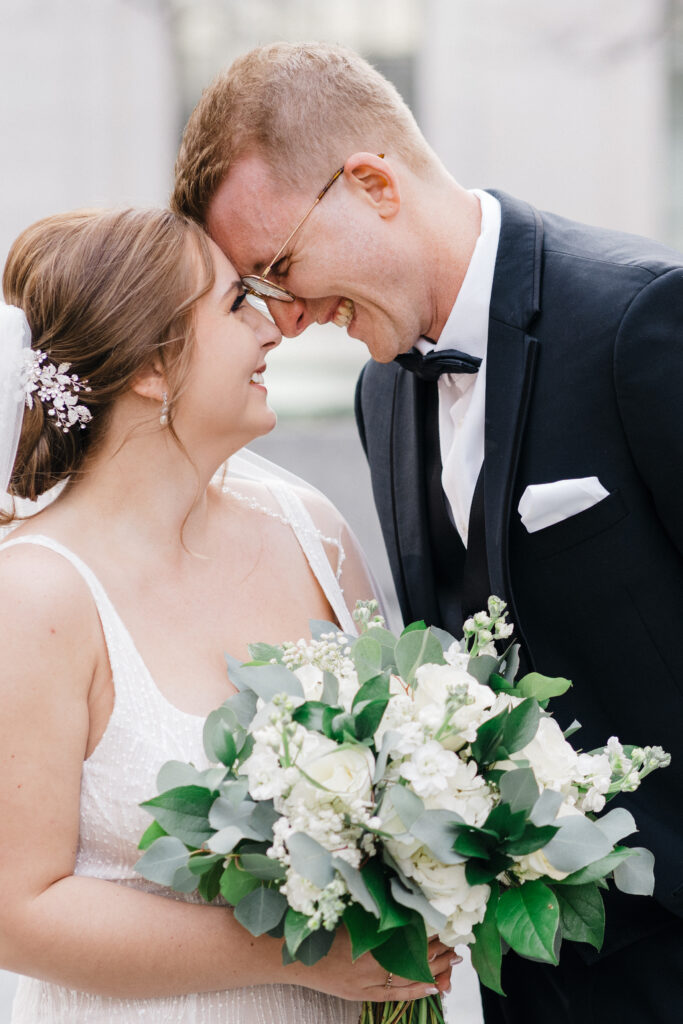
(143, 732)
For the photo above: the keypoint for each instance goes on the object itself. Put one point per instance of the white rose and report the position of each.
(311, 679)
(435, 682)
(553, 760)
(345, 771)
(447, 889)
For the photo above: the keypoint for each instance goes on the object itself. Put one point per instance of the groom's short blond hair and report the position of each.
(304, 108)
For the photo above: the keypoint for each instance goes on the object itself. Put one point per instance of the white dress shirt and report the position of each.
(462, 395)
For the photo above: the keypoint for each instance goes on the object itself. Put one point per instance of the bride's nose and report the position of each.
(267, 332)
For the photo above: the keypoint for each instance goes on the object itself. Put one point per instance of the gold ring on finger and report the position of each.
(389, 979)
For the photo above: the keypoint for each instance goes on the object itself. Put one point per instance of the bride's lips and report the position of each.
(256, 378)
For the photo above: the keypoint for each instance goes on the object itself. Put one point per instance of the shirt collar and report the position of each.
(467, 326)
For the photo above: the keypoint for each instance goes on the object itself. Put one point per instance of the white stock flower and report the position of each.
(456, 656)
(265, 776)
(301, 894)
(429, 767)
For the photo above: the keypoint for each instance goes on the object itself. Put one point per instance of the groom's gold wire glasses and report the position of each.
(258, 284)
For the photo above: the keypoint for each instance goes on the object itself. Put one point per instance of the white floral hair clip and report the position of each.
(54, 387)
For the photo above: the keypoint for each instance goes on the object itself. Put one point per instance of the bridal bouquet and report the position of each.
(400, 787)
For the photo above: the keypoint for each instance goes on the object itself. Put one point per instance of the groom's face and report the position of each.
(336, 265)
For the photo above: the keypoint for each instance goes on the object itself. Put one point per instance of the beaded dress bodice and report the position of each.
(144, 731)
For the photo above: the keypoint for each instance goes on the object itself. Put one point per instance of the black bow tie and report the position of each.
(431, 366)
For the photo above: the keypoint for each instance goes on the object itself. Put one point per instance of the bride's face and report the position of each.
(225, 396)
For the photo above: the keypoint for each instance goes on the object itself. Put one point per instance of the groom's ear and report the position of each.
(376, 182)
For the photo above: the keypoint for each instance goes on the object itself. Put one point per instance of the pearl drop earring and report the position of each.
(163, 417)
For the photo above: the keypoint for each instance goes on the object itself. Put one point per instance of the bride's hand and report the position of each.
(365, 979)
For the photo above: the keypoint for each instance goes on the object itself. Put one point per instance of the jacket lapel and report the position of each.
(511, 354)
(409, 499)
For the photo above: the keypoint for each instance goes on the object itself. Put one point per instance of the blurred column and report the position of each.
(565, 105)
(88, 107)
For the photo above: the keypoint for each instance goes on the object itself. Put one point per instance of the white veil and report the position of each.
(15, 339)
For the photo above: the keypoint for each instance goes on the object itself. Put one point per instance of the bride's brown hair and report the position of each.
(112, 293)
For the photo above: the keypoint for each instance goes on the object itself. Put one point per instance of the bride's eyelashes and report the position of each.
(238, 302)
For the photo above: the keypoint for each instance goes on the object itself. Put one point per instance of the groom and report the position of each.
(522, 421)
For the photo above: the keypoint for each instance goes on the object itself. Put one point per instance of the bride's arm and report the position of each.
(83, 932)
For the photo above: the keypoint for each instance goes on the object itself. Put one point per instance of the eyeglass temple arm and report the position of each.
(305, 217)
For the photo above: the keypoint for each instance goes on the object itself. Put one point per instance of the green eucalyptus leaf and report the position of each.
(356, 885)
(487, 954)
(599, 869)
(617, 824)
(235, 882)
(481, 667)
(161, 860)
(200, 863)
(330, 694)
(267, 681)
(260, 910)
(226, 839)
(265, 652)
(243, 706)
(509, 663)
(541, 687)
(415, 648)
(636, 874)
(582, 913)
(387, 642)
(416, 900)
(546, 807)
(222, 736)
(260, 866)
(577, 844)
(519, 789)
(570, 730)
(528, 917)
(184, 880)
(366, 653)
(319, 627)
(407, 805)
(445, 638)
(437, 830)
(175, 774)
(183, 812)
(296, 929)
(310, 859)
(389, 739)
(209, 883)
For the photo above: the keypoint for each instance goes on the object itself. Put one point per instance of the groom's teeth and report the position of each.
(256, 378)
(344, 313)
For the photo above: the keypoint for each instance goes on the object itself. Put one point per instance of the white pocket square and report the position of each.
(543, 505)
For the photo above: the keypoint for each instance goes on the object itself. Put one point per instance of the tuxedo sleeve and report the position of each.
(648, 377)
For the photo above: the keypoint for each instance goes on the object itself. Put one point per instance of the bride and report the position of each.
(140, 372)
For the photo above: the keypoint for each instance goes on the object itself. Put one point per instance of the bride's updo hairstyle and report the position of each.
(112, 293)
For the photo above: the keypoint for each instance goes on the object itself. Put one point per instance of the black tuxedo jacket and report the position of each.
(584, 378)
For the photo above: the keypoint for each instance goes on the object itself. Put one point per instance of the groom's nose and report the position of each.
(291, 317)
